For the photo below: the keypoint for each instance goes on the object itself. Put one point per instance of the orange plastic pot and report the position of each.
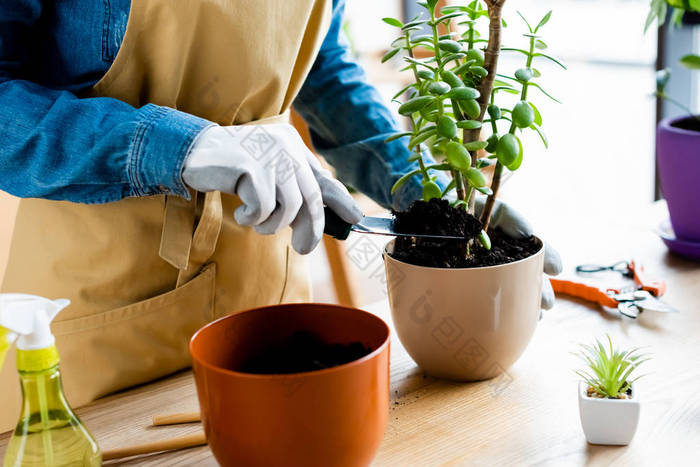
(331, 417)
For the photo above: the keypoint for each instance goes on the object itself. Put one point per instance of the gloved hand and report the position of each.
(514, 225)
(279, 181)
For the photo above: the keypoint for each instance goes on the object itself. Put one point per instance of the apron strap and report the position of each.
(184, 250)
(178, 224)
(205, 237)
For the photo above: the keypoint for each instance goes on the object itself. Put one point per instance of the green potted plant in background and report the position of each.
(464, 310)
(608, 400)
(678, 149)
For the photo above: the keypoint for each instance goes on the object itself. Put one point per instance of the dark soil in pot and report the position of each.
(437, 217)
(302, 352)
(689, 123)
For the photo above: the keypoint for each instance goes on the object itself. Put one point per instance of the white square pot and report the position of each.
(608, 421)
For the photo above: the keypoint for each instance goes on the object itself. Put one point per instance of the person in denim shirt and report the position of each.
(58, 146)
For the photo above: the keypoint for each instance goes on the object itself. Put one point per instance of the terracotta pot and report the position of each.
(465, 324)
(608, 421)
(335, 416)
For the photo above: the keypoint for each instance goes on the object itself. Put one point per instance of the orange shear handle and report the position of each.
(586, 292)
(655, 287)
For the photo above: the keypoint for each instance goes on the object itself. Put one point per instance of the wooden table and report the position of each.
(527, 416)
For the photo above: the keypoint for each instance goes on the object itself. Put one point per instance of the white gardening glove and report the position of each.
(279, 181)
(514, 225)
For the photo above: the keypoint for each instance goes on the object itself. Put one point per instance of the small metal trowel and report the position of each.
(338, 228)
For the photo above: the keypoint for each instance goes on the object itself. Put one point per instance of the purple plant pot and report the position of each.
(678, 156)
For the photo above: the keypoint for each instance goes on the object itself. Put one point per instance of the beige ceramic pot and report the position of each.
(465, 324)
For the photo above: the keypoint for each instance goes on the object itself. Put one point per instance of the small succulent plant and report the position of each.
(609, 371)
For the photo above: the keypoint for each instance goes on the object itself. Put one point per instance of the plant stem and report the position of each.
(491, 54)
(491, 200)
(459, 184)
(678, 104)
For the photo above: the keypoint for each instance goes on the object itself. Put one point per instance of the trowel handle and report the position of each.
(335, 226)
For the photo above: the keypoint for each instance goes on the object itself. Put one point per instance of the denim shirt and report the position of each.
(57, 146)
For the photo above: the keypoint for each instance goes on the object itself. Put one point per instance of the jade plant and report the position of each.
(456, 100)
(609, 371)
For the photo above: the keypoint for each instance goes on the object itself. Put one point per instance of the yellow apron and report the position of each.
(143, 274)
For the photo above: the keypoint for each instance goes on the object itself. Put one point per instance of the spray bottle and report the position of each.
(48, 433)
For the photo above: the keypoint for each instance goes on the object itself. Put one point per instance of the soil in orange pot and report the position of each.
(303, 352)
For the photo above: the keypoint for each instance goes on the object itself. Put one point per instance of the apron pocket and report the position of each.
(116, 349)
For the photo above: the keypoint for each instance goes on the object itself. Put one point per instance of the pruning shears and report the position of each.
(629, 301)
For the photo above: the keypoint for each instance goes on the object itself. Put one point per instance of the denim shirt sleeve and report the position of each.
(349, 123)
(95, 150)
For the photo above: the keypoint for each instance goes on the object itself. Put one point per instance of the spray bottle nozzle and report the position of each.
(28, 317)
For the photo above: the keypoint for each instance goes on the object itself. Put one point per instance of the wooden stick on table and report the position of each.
(172, 444)
(176, 418)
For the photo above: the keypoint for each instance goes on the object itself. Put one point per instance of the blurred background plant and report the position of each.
(658, 13)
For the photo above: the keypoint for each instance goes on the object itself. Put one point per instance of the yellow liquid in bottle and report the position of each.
(49, 434)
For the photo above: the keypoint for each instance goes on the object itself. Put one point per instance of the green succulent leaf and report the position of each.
(475, 145)
(549, 57)
(691, 61)
(476, 55)
(543, 137)
(446, 127)
(545, 92)
(453, 56)
(393, 22)
(479, 71)
(463, 93)
(388, 56)
(451, 79)
(469, 124)
(414, 105)
(526, 23)
(492, 143)
(544, 20)
(426, 74)
(524, 74)
(448, 45)
(431, 4)
(431, 190)
(523, 115)
(475, 177)
(457, 156)
(439, 88)
(414, 24)
(471, 108)
(404, 89)
(507, 149)
(494, 111)
(515, 165)
(484, 238)
(404, 179)
(397, 136)
(482, 164)
(449, 16)
(421, 137)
